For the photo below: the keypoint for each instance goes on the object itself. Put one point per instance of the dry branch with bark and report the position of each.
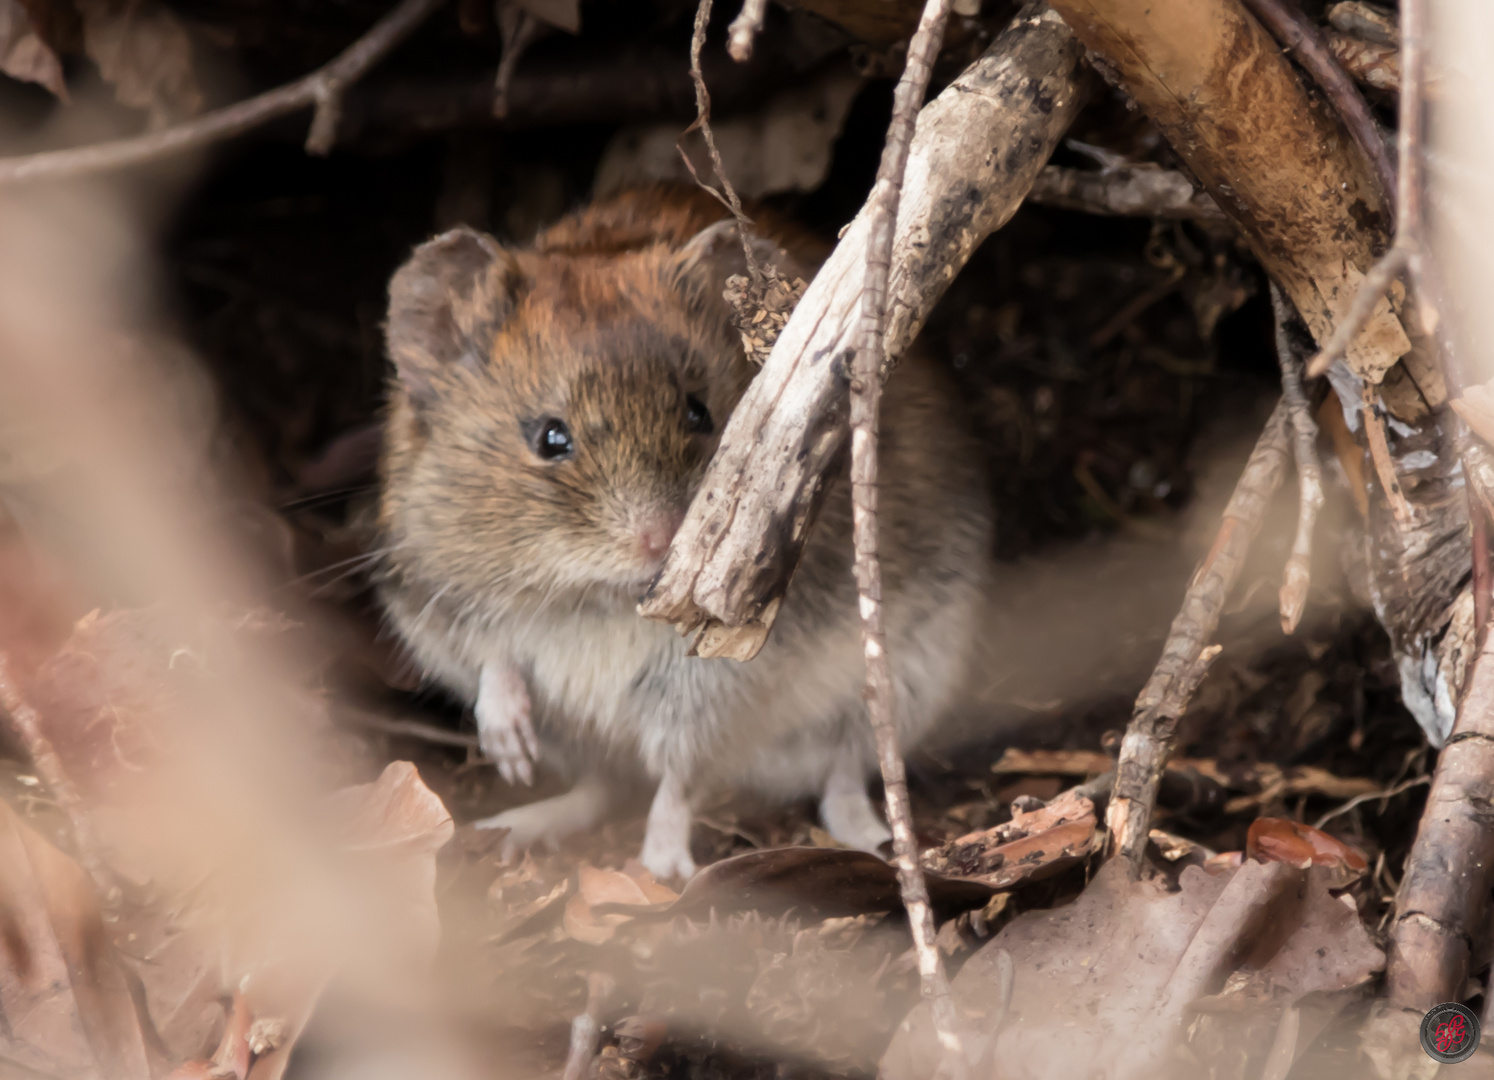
(974, 155)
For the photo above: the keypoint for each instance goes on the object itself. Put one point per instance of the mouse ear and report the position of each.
(445, 305)
(715, 254)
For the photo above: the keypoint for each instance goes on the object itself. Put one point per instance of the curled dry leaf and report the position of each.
(630, 887)
(1283, 840)
(1032, 845)
(23, 53)
(143, 51)
(814, 882)
(1106, 986)
(1476, 407)
(64, 994)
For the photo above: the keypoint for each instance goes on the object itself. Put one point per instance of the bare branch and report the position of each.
(866, 395)
(323, 88)
(586, 1027)
(1309, 471)
(975, 152)
(703, 122)
(1185, 658)
(1294, 30)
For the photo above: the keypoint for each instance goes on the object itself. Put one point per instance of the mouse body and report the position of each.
(551, 416)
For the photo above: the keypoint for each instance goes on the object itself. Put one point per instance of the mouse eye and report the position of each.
(697, 416)
(552, 440)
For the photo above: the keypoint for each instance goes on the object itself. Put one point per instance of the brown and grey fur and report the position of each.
(533, 568)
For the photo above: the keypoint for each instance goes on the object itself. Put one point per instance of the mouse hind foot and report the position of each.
(846, 809)
(552, 820)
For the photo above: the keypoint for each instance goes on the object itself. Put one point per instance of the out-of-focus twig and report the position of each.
(1297, 33)
(744, 28)
(587, 1026)
(866, 394)
(520, 30)
(1186, 655)
(323, 88)
(1309, 471)
(27, 724)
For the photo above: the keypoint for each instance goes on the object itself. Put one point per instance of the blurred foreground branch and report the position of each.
(323, 88)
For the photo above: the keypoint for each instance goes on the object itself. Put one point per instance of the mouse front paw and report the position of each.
(504, 728)
(667, 858)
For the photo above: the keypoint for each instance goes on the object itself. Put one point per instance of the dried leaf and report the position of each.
(1283, 840)
(1104, 986)
(23, 53)
(631, 887)
(63, 992)
(143, 51)
(1476, 407)
(1031, 846)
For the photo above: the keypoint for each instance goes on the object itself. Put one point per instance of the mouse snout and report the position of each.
(655, 531)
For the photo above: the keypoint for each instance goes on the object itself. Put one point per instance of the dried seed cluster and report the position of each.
(760, 311)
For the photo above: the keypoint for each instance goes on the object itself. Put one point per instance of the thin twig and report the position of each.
(866, 392)
(323, 88)
(1186, 654)
(744, 28)
(1309, 472)
(1297, 33)
(587, 1026)
(1371, 796)
(27, 724)
(703, 123)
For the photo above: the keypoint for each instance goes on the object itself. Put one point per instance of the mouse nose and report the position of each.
(655, 533)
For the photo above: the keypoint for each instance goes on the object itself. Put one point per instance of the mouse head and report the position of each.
(553, 413)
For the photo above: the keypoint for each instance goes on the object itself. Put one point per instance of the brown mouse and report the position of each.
(552, 414)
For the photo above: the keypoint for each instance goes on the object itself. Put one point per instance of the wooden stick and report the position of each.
(975, 152)
(1442, 903)
(1293, 595)
(1296, 32)
(1186, 655)
(323, 88)
(586, 1026)
(866, 396)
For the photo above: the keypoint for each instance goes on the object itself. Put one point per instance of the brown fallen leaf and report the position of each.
(1476, 407)
(1283, 840)
(813, 882)
(24, 54)
(1106, 986)
(1032, 846)
(63, 991)
(143, 51)
(630, 887)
